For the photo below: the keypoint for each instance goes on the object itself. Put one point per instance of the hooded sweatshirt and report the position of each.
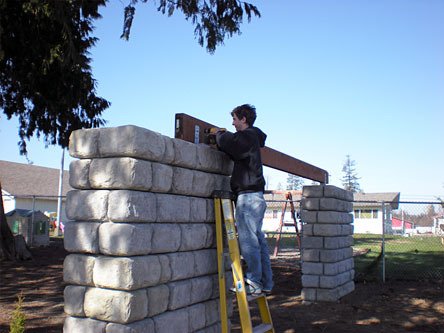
(243, 147)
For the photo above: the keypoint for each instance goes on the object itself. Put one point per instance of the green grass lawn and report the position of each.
(408, 258)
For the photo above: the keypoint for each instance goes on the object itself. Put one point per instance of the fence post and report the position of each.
(383, 241)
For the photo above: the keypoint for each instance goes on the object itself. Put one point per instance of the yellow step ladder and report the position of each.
(224, 212)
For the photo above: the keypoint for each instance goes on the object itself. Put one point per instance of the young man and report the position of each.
(247, 182)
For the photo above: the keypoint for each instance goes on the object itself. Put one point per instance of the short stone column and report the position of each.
(327, 254)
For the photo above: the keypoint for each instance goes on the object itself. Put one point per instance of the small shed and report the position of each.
(33, 226)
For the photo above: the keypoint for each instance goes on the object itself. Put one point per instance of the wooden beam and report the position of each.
(192, 130)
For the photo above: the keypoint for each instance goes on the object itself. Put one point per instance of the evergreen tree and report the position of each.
(294, 182)
(350, 177)
(45, 74)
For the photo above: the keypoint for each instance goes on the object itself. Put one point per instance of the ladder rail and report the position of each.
(224, 213)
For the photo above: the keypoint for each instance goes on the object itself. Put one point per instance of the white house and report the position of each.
(276, 202)
(372, 211)
(31, 187)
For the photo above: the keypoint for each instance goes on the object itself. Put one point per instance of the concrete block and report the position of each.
(166, 272)
(84, 325)
(168, 155)
(203, 184)
(193, 236)
(182, 181)
(87, 205)
(81, 237)
(331, 191)
(309, 216)
(166, 237)
(205, 262)
(78, 269)
(313, 191)
(347, 229)
(307, 230)
(125, 239)
(142, 326)
(172, 321)
(131, 141)
(312, 255)
(162, 178)
(339, 267)
(201, 288)
(84, 143)
(115, 305)
(346, 289)
(309, 294)
(180, 294)
(215, 328)
(211, 312)
(310, 203)
(333, 281)
(312, 242)
(132, 206)
(158, 299)
(210, 217)
(120, 173)
(199, 210)
(312, 268)
(335, 217)
(329, 230)
(74, 297)
(338, 242)
(182, 265)
(211, 235)
(336, 255)
(196, 317)
(209, 159)
(310, 281)
(222, 183)
(185, 154)
(79, 174)
(173, 208)
(335, 205)
(327, 295)
(127, 273)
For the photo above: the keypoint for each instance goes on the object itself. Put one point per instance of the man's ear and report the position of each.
(244, 120)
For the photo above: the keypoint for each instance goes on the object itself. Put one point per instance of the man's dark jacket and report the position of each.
(244, 149)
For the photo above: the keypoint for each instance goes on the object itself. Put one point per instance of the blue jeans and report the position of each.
(250, 210)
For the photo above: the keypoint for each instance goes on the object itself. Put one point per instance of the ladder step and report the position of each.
(254, 297)
(262, 328)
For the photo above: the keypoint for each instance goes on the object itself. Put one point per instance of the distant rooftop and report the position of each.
(21, 179)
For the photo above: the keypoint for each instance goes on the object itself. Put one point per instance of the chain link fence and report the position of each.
(402, 241)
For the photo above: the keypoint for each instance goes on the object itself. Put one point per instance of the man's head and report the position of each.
(243, 116)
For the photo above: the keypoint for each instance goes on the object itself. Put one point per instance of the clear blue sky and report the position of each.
(363, 78)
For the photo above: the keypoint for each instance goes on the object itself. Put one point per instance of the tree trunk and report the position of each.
(11, 248)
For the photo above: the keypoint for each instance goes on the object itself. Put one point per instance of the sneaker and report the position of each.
(253, 288)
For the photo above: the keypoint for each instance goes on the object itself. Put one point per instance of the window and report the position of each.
(366, 213)
(40, 227)
(275, 214)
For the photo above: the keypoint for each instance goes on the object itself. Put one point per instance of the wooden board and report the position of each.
(192, 129)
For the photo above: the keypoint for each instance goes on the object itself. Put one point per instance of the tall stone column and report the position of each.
(327, 254)
(142, 241)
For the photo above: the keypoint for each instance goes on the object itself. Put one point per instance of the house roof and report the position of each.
(20, 179)
(375, 199)
(279, 195)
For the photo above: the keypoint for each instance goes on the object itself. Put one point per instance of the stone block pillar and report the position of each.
(327, 254)
(142, 238)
